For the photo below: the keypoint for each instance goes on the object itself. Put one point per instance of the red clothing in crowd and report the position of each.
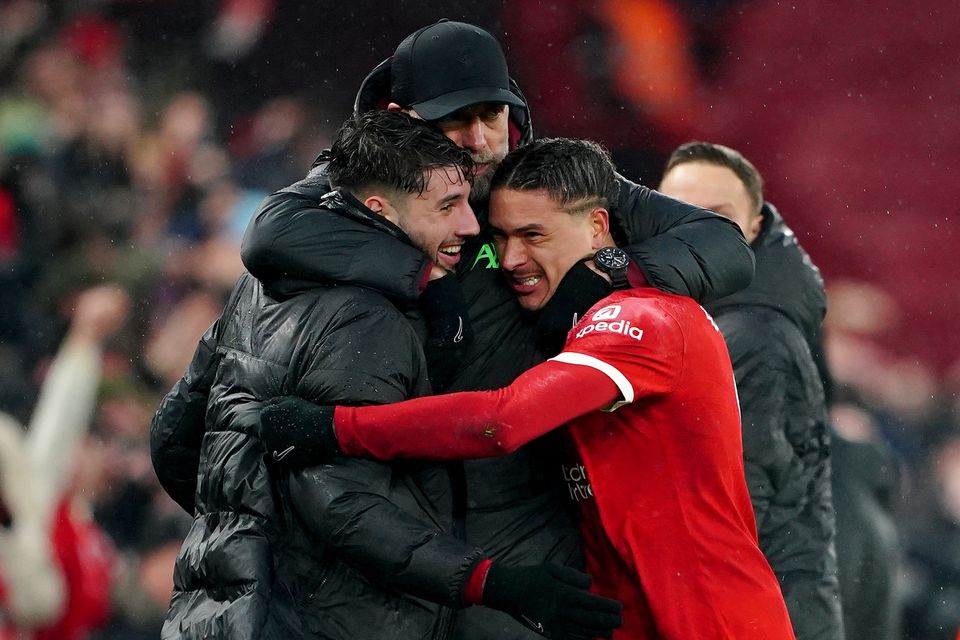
(85, 557)
(658, 477)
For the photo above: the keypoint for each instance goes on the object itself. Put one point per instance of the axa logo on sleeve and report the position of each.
(599, 324)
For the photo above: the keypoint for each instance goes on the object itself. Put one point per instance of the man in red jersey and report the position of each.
(655, 464)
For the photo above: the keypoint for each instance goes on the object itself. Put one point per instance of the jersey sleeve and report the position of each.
(635, 341)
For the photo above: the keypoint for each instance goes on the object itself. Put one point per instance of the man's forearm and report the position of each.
(476, 424)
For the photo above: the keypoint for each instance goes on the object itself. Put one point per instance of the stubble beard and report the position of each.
(480, 189)
(480, 186)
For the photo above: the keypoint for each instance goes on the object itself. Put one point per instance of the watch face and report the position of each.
(611, 259)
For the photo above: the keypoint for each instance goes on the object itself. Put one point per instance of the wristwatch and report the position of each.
(613, 262)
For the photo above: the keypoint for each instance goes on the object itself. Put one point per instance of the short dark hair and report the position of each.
(390, 150)
(578, 174)
(720, 155)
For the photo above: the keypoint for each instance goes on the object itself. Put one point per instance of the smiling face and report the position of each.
(438, 220)
(714, 187)
(538, 240)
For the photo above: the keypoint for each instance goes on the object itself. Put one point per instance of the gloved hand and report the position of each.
(580, 289)
(552, 600)
(296, 432)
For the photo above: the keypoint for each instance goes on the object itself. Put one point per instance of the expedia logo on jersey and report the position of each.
(577, 483)
(599, 324)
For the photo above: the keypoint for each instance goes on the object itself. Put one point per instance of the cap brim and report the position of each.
(444, 105)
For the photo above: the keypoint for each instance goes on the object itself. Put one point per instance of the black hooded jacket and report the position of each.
(344, 550)
(513, 511)
(770, 327)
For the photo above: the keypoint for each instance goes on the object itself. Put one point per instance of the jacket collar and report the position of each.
(347, 205)
(786, 278)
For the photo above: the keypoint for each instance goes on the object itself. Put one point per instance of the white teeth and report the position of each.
(532, 280)
(451, 251)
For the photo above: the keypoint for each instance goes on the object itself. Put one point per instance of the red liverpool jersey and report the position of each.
(659, 480)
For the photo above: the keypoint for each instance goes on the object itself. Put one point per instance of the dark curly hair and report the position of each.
(390, 150)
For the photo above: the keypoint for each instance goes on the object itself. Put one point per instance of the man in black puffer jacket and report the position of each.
(771, 328)
(354, 549)
(455, 76)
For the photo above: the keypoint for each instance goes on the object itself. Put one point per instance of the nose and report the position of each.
(471, 136)
(467, 224)
(512, 254)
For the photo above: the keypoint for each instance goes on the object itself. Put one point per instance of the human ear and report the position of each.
(381, 206)
(754, 228)
(395, 108)
(599, 221)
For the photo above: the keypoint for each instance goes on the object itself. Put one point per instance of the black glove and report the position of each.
(296, 432)
(552, 600)
(579, 290)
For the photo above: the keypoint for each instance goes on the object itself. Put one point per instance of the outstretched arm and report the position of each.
(475, 424)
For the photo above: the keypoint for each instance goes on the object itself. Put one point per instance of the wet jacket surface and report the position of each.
(769, 328)
(342, 550)
(514, 510)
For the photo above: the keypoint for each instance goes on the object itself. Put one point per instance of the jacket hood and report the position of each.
(786, 279)
(374, 93)
(347, 205)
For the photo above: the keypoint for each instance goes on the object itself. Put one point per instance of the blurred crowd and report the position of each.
(129, 168)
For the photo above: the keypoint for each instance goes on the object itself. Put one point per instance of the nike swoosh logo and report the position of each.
(280, 455)
(459, 337)
(536, 626)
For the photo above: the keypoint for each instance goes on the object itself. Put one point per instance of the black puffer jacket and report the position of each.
(514, 511)
(769, 328)
(340, 551)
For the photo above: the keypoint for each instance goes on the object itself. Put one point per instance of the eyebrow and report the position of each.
(473, 110)
(527, 227)
(530, 227)
(450, 198)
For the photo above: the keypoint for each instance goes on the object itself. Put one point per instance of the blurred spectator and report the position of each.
(933, 608)
(49, 519)
(865, 481)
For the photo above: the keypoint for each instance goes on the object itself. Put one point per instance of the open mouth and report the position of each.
(524, 284)
(450, 253)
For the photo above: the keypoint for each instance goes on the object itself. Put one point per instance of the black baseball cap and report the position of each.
(447, 66)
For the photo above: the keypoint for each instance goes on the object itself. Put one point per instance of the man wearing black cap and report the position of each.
(455, 75)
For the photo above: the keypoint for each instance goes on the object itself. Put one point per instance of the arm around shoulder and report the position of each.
(681, 248)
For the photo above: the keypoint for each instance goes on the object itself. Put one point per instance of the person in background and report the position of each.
(772, 328)
(55, 563)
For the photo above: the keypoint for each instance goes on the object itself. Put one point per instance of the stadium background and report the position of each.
(137, 136)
